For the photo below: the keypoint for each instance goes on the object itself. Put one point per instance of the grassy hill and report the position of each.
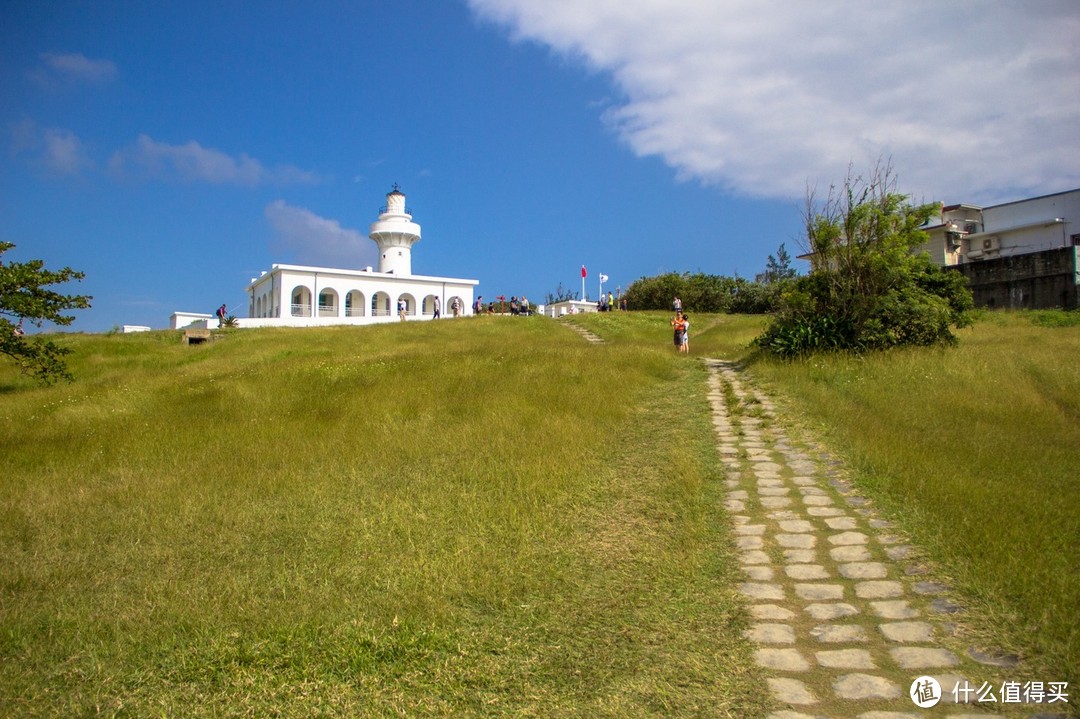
(483, 517)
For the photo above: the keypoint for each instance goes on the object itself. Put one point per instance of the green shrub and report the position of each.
(1055, 318)
(867, 289)
(703, 293)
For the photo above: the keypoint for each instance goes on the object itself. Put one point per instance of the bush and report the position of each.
(702, 293)
(867, 289)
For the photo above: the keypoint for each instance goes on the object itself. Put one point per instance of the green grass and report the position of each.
(472, 518)
(975, 450)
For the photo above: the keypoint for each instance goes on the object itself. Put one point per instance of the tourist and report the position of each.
(455, 306)
(679, 325)
(685, 348)
(18, 331)
(401, 309)
(438, 307)
(676, 305)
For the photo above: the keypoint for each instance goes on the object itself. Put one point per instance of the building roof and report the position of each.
(365, 273)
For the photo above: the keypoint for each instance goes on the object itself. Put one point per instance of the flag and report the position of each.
(583, 272)
(603, 278)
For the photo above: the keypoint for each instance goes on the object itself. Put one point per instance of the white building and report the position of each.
(1019, 255)
(1023, 254)
(969, 233)
(302, 296)
(569, 307)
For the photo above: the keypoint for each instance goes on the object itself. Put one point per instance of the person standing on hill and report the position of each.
(438, 307)
(685, 348)
(679, 325)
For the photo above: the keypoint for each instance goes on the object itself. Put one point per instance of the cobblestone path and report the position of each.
(844, 617)
(589, 336)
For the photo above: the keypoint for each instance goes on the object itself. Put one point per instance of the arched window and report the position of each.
(380, 305)
(354, 304)
(301, 302)
(328, 302)
(410, 303)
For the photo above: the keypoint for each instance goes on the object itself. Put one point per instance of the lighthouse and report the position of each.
(395, 232)
(302, 296)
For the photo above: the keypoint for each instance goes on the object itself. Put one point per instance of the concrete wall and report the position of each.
(1037, 280)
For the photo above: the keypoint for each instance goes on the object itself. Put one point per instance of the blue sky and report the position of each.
(172, 151)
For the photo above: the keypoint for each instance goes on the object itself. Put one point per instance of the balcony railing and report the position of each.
(301, 310)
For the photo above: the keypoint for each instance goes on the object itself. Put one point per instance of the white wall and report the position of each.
(201, 320)
(569, 307)
(1031, 226)
(275, 290)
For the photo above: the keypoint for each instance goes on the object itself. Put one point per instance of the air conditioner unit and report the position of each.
(990, 244)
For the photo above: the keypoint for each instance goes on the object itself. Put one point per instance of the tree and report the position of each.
(699, 293)
(867, 288)
(561, 295)
(24, 297)
(777, 269)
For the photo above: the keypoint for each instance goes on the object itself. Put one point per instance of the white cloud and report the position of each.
(63, 152)
(973, 100)
(317, 240)
(54, 151)
(76, 68)
(194, 163)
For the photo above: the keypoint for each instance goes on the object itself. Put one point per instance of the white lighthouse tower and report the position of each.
(395, 232)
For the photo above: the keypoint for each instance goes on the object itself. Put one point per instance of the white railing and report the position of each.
(328, 311)
(301, 310)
